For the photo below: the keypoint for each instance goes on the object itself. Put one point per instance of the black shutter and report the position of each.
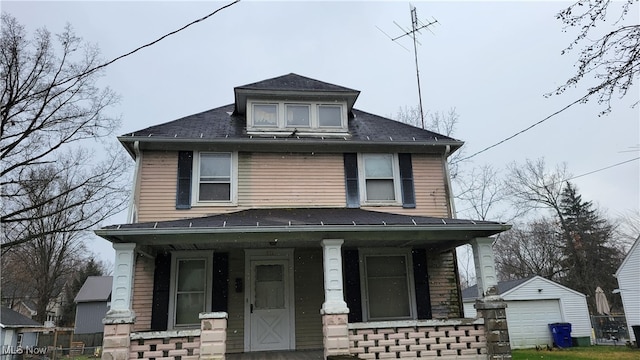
(421, 282)
(351, 180)
(220, 292)
(183, 192)
(406, 178)
(353, 297)
(161, 280)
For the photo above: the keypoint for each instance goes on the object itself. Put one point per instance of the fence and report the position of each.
(610, 330)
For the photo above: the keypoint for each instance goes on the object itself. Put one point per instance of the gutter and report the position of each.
(285, 229)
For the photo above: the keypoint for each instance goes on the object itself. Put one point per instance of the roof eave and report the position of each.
(270, 144)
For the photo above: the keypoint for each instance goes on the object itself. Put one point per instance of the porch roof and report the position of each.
(300, 227)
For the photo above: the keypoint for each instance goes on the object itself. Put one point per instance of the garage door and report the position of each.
(529, 322)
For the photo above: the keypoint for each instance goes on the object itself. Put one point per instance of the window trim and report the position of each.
(362, 182)
(281, 111)
(195, 181)
(363, 253)
(206, 255)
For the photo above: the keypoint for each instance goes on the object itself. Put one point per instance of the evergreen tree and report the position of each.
(589, 259)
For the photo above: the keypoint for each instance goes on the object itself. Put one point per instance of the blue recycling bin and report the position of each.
(561, 333)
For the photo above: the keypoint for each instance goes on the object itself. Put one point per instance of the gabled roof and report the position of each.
(503, 287)
(95, 288)
(13, 319)
(507, 287)
(635, 249)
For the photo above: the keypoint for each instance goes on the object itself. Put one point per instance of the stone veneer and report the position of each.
(423, 339)
(494, 313)
(335, 333)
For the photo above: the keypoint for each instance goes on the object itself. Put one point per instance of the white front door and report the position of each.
(270, 319)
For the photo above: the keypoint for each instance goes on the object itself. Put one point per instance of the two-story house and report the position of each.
(291, 221)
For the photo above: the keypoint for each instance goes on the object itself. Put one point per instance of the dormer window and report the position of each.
(308, 118)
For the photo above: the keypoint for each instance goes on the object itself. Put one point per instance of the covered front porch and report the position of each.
(290, 288)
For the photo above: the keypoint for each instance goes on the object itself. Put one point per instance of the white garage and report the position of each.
(533, 304)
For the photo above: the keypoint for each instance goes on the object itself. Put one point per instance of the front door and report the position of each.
(269, 302)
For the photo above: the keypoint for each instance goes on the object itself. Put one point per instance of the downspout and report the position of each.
(132, 216)
(447, 183)
(452, 214)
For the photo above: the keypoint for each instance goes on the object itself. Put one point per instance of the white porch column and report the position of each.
(485, 267)
(333, 291)
(121, 290)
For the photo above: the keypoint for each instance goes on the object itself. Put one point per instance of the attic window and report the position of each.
(308, 117)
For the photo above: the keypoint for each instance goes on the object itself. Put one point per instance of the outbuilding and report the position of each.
(92, 304)
(629, 288)
(534, 303)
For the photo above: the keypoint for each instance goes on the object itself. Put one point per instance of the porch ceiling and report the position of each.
(264, 228)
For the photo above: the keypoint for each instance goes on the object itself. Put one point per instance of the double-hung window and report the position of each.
(190, 288)
(380, 178)
(215, 177)
(387, 285)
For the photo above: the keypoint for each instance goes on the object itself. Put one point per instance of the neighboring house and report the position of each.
(290, 220)
(533, 304)
(92, 303)
(16, 330)
(26, 308)
(628, 276)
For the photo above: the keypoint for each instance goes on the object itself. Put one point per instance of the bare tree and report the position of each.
(50, 103)
(437, 121)
(529, 249)
(482, 194)
(611, 57)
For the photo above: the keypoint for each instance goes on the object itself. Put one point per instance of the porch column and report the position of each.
(118, 321)
(334, 309)
(490, 306)
(486, 277)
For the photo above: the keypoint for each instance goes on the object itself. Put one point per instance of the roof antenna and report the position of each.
(416, 26)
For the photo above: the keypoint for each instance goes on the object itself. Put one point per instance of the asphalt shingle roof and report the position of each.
(95, 288)
(504, 286)
(300, 217)
(13, 319)
(221, 123)
(294, 82)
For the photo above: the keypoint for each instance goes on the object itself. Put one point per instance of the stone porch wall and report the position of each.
(207, 343)
(427, 339)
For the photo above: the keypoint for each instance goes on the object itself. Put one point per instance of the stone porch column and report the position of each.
(213, 335)
(119, 320)
(334, 309)
(490, 306)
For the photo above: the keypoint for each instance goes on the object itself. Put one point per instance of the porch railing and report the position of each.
(460, 339)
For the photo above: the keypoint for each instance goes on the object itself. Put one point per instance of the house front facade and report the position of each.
(291, 221)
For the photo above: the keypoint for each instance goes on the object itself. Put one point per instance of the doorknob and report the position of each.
(251, 308)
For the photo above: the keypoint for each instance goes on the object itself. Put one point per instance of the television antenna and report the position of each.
(416, 26)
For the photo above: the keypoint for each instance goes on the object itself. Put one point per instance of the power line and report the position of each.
(582, 99)
(601, 169)
(577, 176)
(92, 70)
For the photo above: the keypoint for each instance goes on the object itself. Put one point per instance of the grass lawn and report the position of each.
(580, 353)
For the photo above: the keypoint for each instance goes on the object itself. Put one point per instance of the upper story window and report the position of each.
(214, 183)
(380, 179)
(285, 116)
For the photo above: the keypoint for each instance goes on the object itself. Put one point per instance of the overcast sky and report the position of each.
(492, 61)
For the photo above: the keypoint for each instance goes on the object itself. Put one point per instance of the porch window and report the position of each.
(380, 178)
(190, 288)
(387, 286)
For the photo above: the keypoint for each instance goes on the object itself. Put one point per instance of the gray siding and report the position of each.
(89, 317)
